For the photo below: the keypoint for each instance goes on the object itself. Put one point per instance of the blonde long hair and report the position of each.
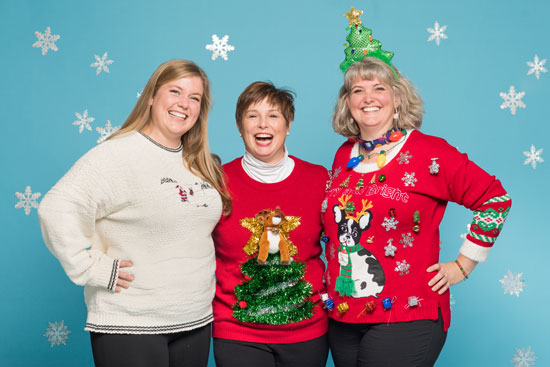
(196, 153)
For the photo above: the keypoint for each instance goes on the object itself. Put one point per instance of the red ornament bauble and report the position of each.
(396, 136)
(242, 304)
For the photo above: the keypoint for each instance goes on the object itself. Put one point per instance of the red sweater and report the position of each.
(301, 195)
(378, 251)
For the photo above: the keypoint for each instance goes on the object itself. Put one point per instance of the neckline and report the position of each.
(172, 150)
(275, 186)
(372, 166)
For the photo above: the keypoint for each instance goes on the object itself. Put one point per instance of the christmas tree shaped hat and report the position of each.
(361, 44)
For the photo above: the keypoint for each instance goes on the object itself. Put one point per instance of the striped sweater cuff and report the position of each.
(475, 252)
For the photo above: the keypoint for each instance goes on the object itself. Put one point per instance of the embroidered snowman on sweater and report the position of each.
(361, 274)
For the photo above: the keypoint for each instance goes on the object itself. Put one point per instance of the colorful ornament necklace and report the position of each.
(392, 135)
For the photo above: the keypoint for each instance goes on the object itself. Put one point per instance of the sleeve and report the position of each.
(67, 216)
(482, 193)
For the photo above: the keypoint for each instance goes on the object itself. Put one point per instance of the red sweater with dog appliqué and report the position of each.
(299, 195)
(385, 255)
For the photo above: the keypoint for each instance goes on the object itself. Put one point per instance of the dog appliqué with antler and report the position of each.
(361, 274)
(270, 235)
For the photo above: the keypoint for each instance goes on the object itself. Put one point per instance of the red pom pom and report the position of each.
(242, 304)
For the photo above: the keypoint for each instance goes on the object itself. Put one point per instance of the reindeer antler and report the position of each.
(366, 206)
(343, 201)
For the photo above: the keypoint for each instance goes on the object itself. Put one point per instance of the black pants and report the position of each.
(183, 349)
(235, 353)
(401, 344)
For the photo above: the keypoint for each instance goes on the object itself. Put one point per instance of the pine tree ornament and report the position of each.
(273, 291)
(361, 44)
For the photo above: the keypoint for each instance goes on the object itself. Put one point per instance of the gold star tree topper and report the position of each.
(354, 16)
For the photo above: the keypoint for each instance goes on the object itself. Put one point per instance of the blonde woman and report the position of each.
(131, 221)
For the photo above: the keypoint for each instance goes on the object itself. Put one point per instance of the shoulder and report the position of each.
(309, 168)
(232, 167)
(432, 145)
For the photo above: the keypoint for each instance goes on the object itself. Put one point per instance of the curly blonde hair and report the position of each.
(410, 105)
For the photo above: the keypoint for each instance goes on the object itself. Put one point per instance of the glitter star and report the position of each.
(354, 16)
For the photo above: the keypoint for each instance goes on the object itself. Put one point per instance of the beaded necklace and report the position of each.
(392, 135)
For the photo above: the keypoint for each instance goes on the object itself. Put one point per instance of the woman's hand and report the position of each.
(124, 278)
(449, 273)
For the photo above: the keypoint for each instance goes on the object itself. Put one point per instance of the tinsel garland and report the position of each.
(275, 294)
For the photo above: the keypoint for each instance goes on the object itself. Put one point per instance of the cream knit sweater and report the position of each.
(131, 199)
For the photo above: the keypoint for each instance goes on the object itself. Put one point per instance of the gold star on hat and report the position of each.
(354, 16)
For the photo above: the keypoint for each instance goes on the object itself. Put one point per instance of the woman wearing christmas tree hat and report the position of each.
(388, 192)
(132, 222)
(267, 307)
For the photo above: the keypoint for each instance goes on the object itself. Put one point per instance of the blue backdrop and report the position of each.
(464, 66)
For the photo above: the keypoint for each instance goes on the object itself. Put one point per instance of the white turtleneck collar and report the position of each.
(265, 172)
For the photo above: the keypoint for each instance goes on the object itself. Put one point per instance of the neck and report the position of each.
(266, 172)
(371, 133)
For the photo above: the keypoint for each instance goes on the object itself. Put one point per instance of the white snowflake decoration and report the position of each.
(452, 302)
(27, 200)
(537, 67)
(463, 235)
(390, 248)
(83, 121)
(409, 179)
(533, 157)
(389, 223)
(329, 280)
(407, 240)
(332, 252)
(404, 157)
(512, 100)
(437, 33)
(337, 172)
(513, 283)
(402, 267)
(101, 64)
(57, 334)
(220, 47)
(138, 94)
(524, 358)
(106, 131)
(46, 41)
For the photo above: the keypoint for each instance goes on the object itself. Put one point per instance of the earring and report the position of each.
(287, 133)
(241, 135)
(396, 115)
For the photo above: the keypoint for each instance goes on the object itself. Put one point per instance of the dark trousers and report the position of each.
(183, 349)
(401, 344)
(235, 353)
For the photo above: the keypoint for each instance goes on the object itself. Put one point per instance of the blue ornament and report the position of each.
(386, 302)
(352, 50)
(325, 239)
(353, 162)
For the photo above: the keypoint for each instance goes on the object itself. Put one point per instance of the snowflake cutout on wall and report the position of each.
(463, 235)
(533, 156)
(524, 358)
(83, 121)
(46, 41)
(407, 240)
(220, 47)
(452, 302)
(390, 248)
(409, 179)
(513, 283)
(437, 33)
(402, 267)
(27, 200)
(101, 64)
(106, 131)
(57, 334)
(404, 158)
(536, 67)
(389, 223)
(512, 100)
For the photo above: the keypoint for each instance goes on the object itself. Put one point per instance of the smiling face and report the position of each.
(175, 109)
(371, 104)
(264, 130)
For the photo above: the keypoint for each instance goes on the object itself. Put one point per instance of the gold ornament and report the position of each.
(342, 308)
(255, 226)
(354, 16)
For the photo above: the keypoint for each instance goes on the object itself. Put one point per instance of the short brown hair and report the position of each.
(258, 91)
